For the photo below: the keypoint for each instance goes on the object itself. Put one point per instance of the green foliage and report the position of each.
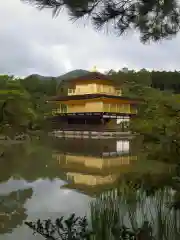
(158, 120)
(133, 80)
(166, 80)
(155, 20)
(73, 228)
(39, 90)
(15, 107)
(23, 103)
(39, 87)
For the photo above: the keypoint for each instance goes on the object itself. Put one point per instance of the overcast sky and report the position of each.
(31, 41)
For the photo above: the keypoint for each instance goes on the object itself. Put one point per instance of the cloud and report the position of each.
(57, 201)
(33, 42)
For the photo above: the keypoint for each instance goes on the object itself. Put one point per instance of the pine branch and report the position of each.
(154, 19)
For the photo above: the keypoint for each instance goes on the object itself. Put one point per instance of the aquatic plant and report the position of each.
(134, 215)
(72, 228)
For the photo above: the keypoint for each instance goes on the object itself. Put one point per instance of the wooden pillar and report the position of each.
(85, 124)
(123, 128)
(102, 120)
(102, 123)
(116, 122)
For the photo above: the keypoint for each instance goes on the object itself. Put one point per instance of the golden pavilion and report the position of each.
(93, 101)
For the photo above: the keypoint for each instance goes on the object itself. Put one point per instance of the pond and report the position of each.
(53, 177)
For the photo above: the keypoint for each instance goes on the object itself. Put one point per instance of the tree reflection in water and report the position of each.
(12, 211)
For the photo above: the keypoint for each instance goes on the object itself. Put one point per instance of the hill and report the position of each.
(40, 77)
(71, 74)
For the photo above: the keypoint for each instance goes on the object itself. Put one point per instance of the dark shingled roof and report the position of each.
(89, 76)
(90, 96)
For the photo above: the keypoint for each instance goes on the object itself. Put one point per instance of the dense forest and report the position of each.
(22, 103)
(168, 81)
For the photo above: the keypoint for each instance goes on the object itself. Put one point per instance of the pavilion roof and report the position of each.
(91, 96)
(89, 76)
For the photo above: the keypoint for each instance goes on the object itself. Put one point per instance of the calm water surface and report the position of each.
(56, 177)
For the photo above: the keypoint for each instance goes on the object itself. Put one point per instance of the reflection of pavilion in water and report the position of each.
(93, 165)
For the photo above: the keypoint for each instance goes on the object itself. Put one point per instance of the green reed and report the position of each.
(134, 215)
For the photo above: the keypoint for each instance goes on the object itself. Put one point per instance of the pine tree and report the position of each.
(153, 19)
